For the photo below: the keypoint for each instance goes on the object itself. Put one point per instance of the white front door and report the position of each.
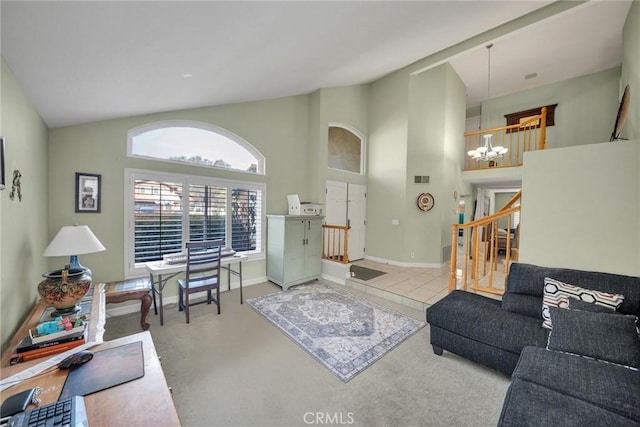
(336, 203)
(357, 220)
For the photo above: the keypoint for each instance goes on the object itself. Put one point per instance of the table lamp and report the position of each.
(63, 289)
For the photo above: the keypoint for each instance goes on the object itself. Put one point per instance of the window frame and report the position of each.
(132, 133)
(130, 175)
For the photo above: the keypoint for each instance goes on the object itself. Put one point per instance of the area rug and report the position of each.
(364, 273)
(344, 333)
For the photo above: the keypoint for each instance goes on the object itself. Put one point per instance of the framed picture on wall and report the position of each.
(88, 192)
(3, 182)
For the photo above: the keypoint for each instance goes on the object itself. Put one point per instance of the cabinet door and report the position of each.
(294, 249)
(313, 247)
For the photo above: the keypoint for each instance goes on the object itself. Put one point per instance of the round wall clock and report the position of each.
(425, 202)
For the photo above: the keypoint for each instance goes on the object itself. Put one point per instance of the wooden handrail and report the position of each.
(483, 234)
(516, 198)
(519, 138)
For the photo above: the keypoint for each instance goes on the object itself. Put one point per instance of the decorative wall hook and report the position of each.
(16, 186)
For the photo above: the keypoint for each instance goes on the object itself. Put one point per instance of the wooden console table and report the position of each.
(130, 290)
(93, 302)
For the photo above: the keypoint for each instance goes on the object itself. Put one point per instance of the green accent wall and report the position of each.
(23, 224)
(586, 111)
(278, 128)
(592, 221)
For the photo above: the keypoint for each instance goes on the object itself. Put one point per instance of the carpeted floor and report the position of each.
(237, 370)
(344, 333)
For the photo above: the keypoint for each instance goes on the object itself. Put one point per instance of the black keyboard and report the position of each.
(63, 413)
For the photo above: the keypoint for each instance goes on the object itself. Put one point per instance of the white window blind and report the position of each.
(167, 210)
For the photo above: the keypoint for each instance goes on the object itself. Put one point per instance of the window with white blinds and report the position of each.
(167, 210)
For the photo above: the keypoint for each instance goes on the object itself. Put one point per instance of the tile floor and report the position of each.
(416, 287)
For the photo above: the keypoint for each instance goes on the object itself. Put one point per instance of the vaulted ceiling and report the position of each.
(83, 61)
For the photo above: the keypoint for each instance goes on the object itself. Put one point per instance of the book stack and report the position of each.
(34, 346)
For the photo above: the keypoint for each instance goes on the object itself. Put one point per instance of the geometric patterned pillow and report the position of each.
(557, 294)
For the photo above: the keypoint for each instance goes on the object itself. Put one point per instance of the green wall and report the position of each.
(386, 165)
(591, 222)
(417, 127)
(585, 114)
(23, 224)
(277, 128)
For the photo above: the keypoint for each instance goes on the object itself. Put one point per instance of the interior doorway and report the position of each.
(346, 205)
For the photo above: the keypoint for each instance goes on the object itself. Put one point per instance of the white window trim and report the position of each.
(363, 147)
(132, 270)
(132, 133)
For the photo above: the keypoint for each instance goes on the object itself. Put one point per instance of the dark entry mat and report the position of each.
(364, 273)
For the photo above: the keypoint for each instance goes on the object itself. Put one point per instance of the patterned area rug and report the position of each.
(344, 333)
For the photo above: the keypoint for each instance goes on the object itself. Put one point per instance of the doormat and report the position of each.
(364, 273)
(345, 333)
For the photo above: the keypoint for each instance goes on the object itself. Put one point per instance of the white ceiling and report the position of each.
(83, 61)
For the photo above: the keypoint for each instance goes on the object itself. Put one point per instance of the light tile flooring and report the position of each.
(416, 287)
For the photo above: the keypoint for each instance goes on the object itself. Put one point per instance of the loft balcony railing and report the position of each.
(335, 243)
(529, 135)
(475, 264)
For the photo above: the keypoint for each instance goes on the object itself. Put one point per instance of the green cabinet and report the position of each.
(294, 249)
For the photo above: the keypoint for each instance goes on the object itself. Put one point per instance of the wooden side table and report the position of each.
(132, 289)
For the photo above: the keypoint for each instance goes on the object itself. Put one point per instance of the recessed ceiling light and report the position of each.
(187, 75)
(530, 76)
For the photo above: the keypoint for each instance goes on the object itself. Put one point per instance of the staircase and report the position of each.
(476, 264)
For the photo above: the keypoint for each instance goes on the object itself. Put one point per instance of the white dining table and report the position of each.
(161, 272)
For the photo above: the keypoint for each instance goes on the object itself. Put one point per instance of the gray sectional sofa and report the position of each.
(552, 382)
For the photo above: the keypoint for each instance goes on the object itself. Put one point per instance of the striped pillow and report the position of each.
(557, 294)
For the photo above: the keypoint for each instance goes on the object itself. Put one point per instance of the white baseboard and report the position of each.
(405, 264)
(134, 305)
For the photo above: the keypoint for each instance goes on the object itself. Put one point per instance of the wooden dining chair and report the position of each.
(202, 274)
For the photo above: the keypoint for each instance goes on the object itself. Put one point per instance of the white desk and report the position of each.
(160, 273)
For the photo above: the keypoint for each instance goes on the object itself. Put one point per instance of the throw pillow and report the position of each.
(557, 294)
(576, 304)
(602, 336)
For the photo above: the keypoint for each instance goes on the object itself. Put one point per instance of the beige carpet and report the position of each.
(237, 369)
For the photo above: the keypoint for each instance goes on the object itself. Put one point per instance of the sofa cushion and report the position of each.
(482, 319)
(528, 279)
(530, 404)
(526, 305)
(610, 337)
(606, 385)
(557, 294)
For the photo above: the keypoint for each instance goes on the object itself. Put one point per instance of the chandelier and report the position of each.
(487, 152)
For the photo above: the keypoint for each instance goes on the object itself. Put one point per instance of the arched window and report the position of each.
(345, 148)
(195, 143)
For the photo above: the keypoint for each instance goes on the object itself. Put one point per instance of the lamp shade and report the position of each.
(74, 240)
